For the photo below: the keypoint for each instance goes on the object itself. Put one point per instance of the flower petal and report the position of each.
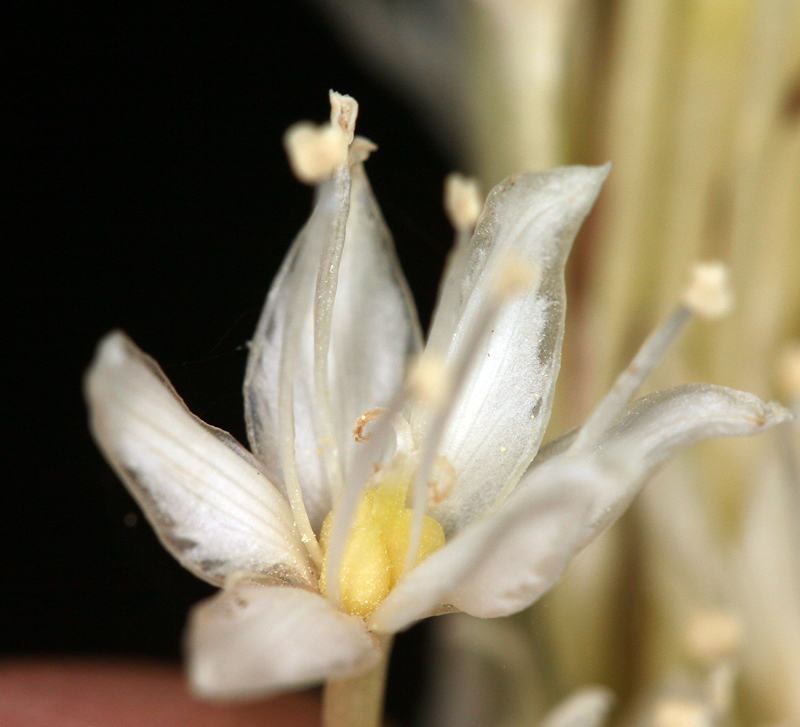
(500, 417)
(504, 562)
(375, 326)
(501, 564)
(660, 425)
(255, 640)
(205, 497)
(374, 331)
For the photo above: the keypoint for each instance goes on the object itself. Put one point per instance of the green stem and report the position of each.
(357, 702)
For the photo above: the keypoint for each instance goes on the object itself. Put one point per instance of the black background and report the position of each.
(149, 191)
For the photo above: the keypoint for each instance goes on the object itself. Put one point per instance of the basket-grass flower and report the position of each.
(388, 483)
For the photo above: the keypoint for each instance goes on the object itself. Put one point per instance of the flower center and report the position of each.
(375, 553)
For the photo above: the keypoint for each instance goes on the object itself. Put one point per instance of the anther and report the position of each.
(429, 379)
(713, 635)
(363, 420)
(708, 294)
(315, 151)
(681, 713)
(462, 201)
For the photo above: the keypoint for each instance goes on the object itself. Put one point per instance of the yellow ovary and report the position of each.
(376, 547)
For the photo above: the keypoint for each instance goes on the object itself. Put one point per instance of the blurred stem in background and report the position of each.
(693, 601)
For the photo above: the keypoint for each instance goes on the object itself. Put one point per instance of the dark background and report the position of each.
(150, 192)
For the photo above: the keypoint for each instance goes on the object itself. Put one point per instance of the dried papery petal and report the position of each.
(658, 426)
(502, 563)
(509, 277)
(255, 639)
(205, 497)
(499, 419)
(374, 331)
(286, 321)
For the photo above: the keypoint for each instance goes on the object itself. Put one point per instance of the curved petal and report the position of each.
(255, 640)
(374, 331)
(375, 327)
(210, 505)
(504, 562)
(660, 425)
(500, 416)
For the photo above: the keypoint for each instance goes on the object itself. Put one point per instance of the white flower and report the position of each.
(451, 457)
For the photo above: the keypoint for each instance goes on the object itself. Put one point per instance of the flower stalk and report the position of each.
(358, 701)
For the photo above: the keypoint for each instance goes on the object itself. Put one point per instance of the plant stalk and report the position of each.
(358, 702)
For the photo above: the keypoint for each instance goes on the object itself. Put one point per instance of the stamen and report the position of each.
(720, 690)
(681, 713)
(505, 284)
(462, 202)
(344, 111)
(708, 296)
(314, 151)
(463, 205)
(428, 380)
(362, 421)
(346, 507)
(712, 635)
(645, 360)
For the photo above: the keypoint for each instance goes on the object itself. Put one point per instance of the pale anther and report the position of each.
(363, 420)
(708, 294)
(429, 379)
(462, 201)
(315, 151)
(681, 713)
(712, 635)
